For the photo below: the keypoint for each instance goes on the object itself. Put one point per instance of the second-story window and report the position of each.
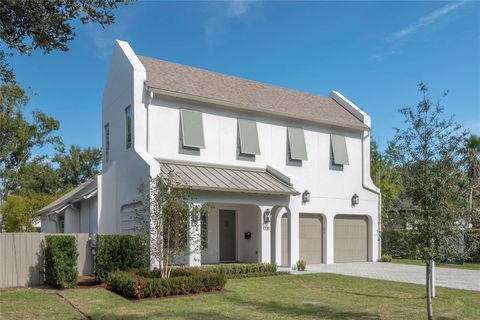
(107, 141)
(128, 123)
(339, 150)
(248, 136)
(191, 123)
(296, 144)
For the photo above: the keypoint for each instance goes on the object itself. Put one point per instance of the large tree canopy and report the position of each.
(26, 25)
(77, 165)
(19, 135)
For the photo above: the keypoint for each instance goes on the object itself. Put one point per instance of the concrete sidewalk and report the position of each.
(445, 277)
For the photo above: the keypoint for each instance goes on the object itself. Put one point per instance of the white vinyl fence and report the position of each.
(21, 260)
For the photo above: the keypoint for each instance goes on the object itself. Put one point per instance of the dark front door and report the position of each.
(227, 235)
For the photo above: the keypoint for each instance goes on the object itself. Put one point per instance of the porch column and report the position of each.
(264, 246)
(277, 229)
(329, 220)
(194, 239)
(294, 235)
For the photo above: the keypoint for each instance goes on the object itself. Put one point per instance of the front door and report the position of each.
(227, 235)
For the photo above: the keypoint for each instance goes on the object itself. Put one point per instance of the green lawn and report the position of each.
(466, 265)
(315, 296)
(33, 304)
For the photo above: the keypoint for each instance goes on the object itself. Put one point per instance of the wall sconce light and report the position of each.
(267, 216)
(306, 196)
(355, 200)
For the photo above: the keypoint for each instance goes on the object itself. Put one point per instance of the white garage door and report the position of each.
(311, 236)
(350, 238)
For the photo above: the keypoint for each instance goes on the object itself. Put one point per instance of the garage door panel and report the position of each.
(311, 236)
(350, 239)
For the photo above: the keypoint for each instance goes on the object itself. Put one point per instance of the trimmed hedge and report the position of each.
(142, 283)
(234, 270)
(240, 268)
(61, 261)
(393, 244)
(119, 252)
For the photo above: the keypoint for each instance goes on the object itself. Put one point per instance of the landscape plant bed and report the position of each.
(144, 283)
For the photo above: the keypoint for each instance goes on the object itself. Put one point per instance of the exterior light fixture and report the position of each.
(267, 216)
(306, 196)
(355, 200)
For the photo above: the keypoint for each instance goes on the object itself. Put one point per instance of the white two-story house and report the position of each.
(285, 174)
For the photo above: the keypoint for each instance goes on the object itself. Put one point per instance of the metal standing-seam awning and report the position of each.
(227, 178)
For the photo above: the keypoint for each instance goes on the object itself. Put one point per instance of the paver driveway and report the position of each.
(445, 277)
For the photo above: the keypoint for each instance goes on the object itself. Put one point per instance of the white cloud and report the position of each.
(426, 20)
(103, 39)
(216, 24)
(237, 8)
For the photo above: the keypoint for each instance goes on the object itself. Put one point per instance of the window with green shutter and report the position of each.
(248, 134)
(296, 144)
(192, 129)
(339, 149)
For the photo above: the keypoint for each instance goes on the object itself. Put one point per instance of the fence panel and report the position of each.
(21, 260)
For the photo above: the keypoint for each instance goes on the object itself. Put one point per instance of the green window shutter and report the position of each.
(339, 149)
(192, 129)
(247, 130)
(296, 142)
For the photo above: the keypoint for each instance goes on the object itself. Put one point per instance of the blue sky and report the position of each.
(374, 53)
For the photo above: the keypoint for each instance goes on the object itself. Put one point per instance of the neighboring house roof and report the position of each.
(81, 192)
(197, 84)
(211, 177)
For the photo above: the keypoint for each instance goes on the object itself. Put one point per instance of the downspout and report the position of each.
(378, 193)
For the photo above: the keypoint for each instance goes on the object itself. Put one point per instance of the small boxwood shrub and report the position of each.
(144, 283)
(301, 265)
(386, 258)
(61, 261)
(119, 252)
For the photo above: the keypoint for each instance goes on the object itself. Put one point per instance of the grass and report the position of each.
(311, 296)
(34, 304)
(466, 265)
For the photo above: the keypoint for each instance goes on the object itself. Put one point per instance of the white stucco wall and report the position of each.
(126, 168)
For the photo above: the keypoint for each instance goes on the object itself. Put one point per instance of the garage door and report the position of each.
(311, 235)
(350, 238)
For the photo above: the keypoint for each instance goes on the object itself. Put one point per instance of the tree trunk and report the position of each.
(429, 291)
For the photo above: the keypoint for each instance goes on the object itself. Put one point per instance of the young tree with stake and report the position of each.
(428, 151)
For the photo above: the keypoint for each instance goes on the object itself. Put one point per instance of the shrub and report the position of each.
(119, 252)
(394, 243)
(61, 261)
(234, 270)
(144, 283)
(240, 268)
(301, 265)
(472, 241)
(386, 258)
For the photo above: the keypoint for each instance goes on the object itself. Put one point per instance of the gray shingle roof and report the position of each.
(78, 193)
(226, 178)
(247, 95)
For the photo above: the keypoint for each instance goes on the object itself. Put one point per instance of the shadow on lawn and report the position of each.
(300, 311)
